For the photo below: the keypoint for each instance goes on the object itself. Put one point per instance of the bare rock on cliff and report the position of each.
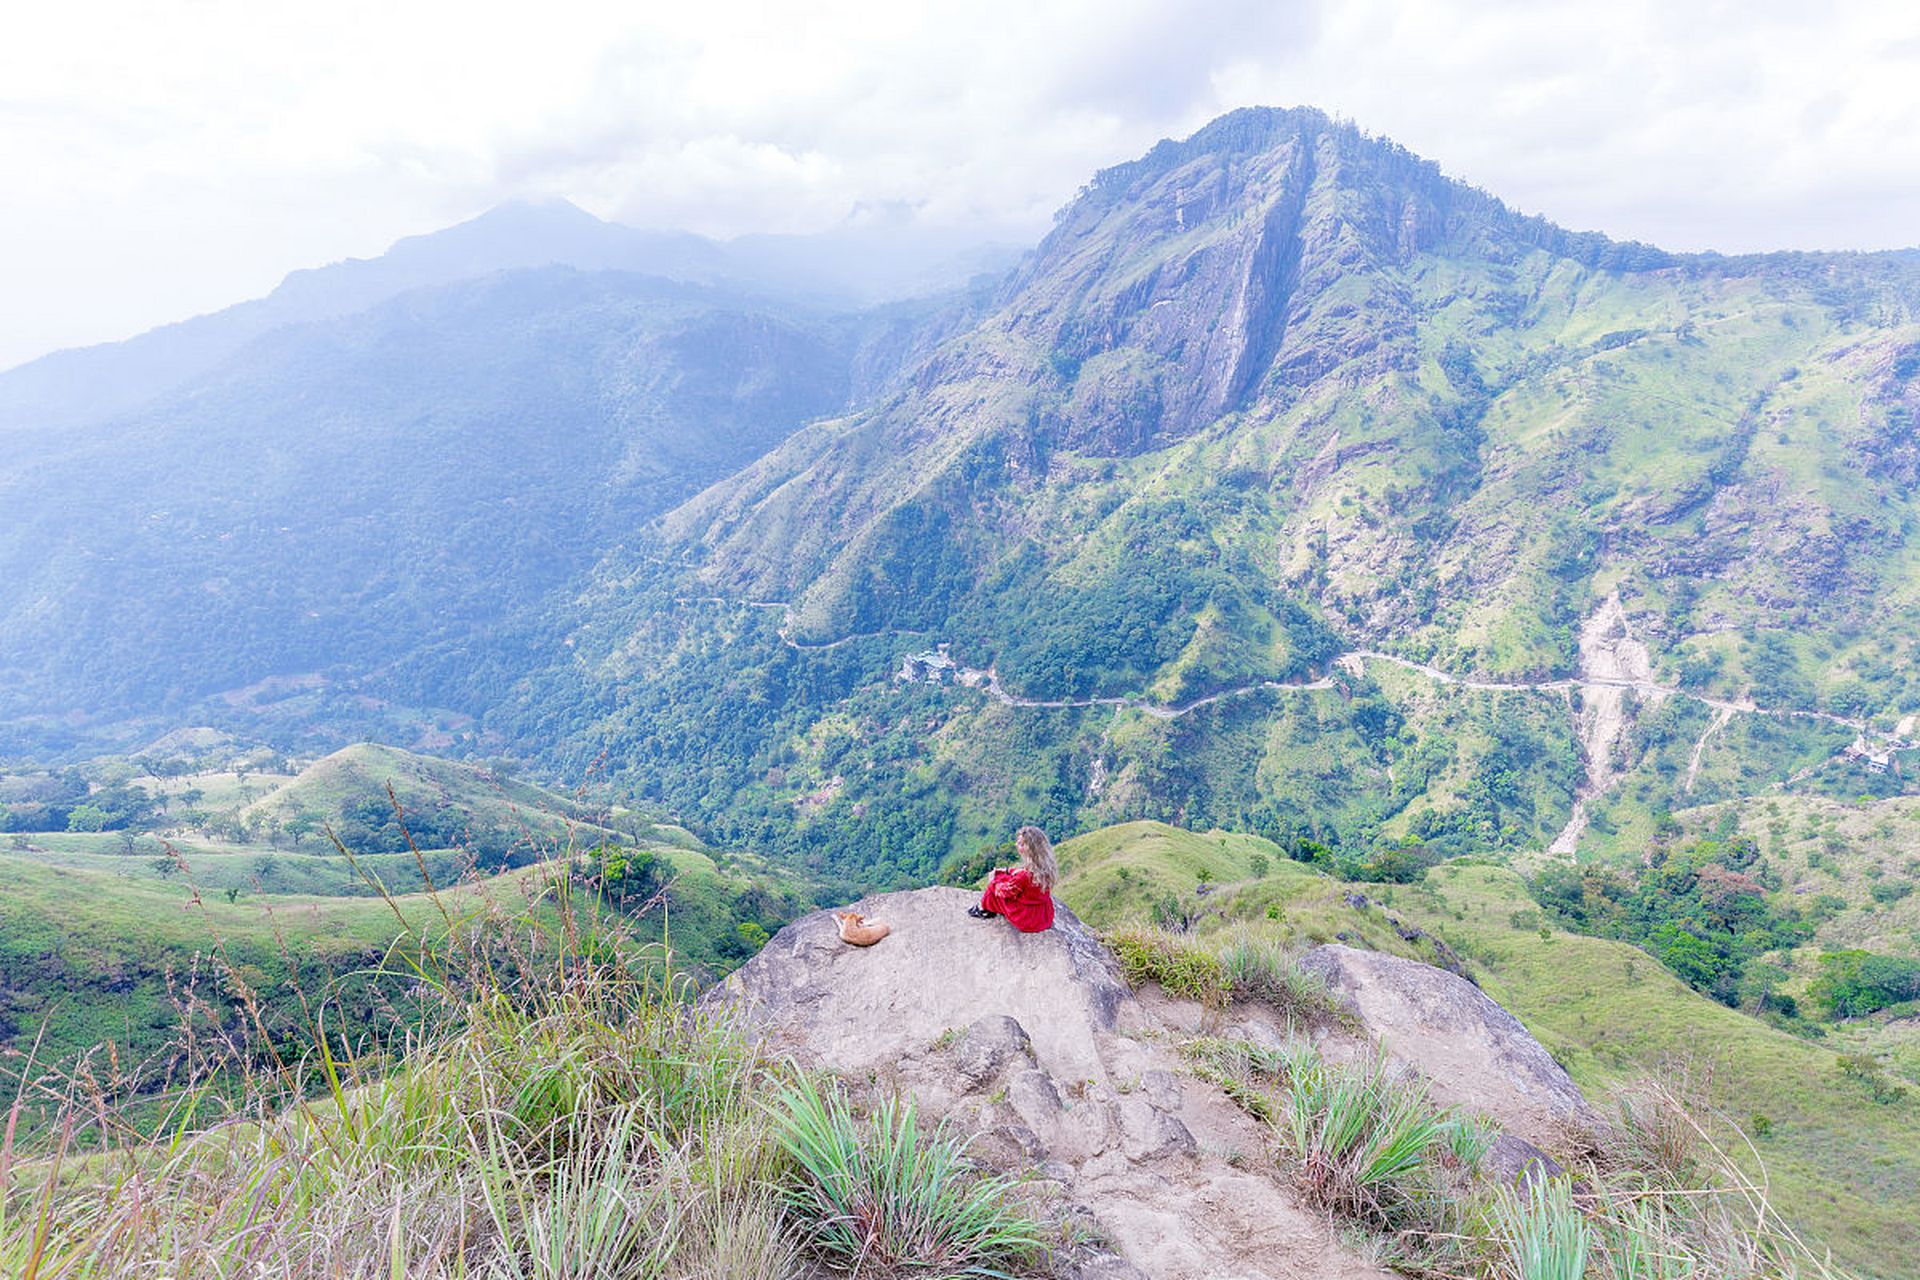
(858, 1008)
(1034, 1043)
(1473, 1052)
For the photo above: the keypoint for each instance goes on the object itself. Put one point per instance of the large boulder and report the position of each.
(939, 971)
(1473, 1052)
(1032, 1044)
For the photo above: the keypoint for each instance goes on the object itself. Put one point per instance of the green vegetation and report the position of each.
(1695, 908)
(1455, 450)
(1837, 1158)
(887, 1196)
(108, 938)
(496, 436)
(1840, 1146)
(1368, 1144)
(1242, 964)
(568, 1120)
(1854, 983)
(1656, 1200)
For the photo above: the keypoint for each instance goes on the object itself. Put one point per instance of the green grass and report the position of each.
(89, 957)
(1848, 849)
(1841, 1165)
(354, 774)
(1366, 1143)
(97, 946)
(1240, 964)
(567, 1121)
(1126, 875)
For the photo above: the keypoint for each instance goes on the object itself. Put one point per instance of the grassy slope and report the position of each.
(90, 933)
(87, 956)
(1847, 849)
(353, 774)
(87, 942)
(1844, 1166)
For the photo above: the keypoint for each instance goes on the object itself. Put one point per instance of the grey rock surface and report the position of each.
(1473, 1052)
(1033, 1044)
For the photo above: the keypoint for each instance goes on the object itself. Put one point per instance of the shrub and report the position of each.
(1181, 967)
(1260, 967)
(1864, 1070)
(1243, 964)
(1542, 1235)
(1855, 983)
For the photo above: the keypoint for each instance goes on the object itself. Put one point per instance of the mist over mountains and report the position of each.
(1321, 550)
(879, 259)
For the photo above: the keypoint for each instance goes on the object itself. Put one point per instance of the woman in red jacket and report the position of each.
(1023, 894)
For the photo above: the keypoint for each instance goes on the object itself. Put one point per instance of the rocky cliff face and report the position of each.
(1035, 1043)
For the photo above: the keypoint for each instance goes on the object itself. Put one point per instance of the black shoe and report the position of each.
(980, 913)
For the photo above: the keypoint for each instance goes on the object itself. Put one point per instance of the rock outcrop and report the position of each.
(1034, 1043)
(1473, 1053)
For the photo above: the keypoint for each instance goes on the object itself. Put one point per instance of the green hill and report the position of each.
(1841, 1164)
(443, 802)
(103, 934)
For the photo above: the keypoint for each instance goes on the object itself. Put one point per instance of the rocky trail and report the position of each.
(1034, 1043)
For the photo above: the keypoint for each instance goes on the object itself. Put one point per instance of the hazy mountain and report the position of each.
(87, 384)
(385, 493)
(875, 261)
(1270, 394)
(1274, 394)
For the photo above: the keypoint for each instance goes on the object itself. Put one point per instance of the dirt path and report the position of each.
(1720, 718)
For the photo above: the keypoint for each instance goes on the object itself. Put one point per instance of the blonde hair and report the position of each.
(1036, 853)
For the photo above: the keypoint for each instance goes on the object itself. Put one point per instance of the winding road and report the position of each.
(987, 680)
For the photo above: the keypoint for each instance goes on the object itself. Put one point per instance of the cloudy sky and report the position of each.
(167, 158)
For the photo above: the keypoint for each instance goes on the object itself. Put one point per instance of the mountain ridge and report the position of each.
(77, 386)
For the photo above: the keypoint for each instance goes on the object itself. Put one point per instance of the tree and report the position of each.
(87, 817)
(299, 826)
(627, 874)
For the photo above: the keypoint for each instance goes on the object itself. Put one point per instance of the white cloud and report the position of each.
(167, 159)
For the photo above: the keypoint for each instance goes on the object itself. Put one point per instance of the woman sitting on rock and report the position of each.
(1023, 894)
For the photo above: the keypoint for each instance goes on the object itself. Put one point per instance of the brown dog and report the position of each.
(855, 930)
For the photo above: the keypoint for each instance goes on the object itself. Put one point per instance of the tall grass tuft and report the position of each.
(1180, 966)
(884, 1197)
(1543, 1236)
(1366, 1143)
(1240, 964)
(1261, 967)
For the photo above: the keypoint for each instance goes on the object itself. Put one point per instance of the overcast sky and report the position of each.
(166, 158)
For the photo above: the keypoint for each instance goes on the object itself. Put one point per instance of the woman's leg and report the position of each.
(990, 896)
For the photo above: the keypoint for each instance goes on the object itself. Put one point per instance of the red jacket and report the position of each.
(1013, 894)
